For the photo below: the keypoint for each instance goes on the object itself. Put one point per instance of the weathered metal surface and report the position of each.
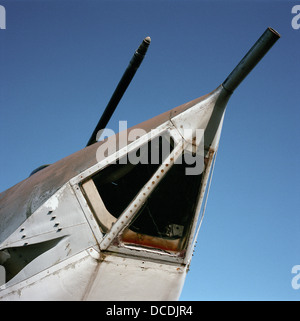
(87, 276)
(59, 217)
(137, 280)
(20, 201)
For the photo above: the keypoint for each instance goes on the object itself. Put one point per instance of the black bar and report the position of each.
(121, 88)
(254, 55)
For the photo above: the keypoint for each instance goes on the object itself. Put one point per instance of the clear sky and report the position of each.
(60, 62)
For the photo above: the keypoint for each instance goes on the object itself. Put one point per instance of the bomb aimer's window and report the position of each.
(111, 190)
(165, 219)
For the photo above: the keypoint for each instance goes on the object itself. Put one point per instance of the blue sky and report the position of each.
(60, 62)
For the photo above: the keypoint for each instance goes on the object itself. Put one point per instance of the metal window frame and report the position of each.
(105, 240)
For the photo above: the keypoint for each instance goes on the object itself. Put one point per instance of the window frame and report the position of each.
(134, 249)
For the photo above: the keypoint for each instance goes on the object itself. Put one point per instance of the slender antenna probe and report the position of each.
(129, 73)
(250, 60)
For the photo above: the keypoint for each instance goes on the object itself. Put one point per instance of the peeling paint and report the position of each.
(52, 203)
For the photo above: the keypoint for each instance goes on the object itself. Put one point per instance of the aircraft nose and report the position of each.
(202, 120)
